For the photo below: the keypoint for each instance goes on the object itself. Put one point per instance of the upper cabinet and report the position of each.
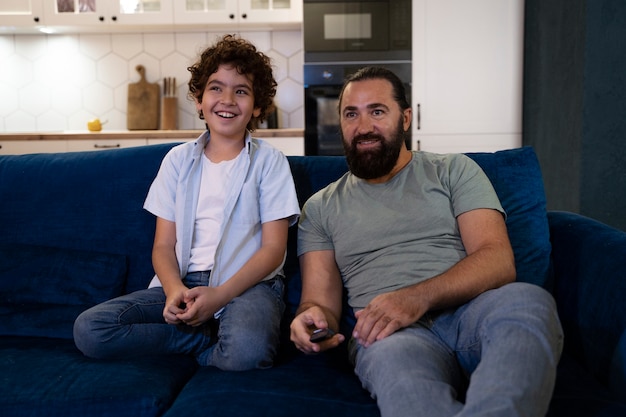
(16, 14)
(109, 13)
(467, 74)
(30, 16)
(222, 12)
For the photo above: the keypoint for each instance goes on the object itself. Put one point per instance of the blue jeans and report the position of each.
(245, 336)
(494, 356)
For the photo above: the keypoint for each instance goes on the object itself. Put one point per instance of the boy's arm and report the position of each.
(166, 267)
(205, 301)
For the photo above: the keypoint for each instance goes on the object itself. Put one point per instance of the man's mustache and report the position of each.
(367, 136)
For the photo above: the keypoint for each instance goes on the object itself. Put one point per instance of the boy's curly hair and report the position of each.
(244, 56)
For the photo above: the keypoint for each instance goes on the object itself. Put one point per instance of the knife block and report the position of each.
(169, 113)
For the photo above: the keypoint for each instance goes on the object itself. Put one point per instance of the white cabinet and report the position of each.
(107, 14)
(17, 14)
(224, 12)
(78, 16)
(78, 145)
(20, 147)
(467, 74)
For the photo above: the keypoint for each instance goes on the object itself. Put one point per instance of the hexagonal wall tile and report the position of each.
(51, 121)
(287, 43)
(34, 98)
(20, 121)
(30, 46)
(9, 102)
(158, 45)
(95, 46)
(7, 46)
(98, 98)
(127, 45)
(66, 99)
(289, 95)
(19, 73)
(279, 65)
(112, 70)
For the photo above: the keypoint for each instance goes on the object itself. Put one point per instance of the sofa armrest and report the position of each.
(589, 261)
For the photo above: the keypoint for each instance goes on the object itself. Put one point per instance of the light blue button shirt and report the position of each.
(262, 191)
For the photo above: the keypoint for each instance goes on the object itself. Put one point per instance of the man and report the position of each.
(420, 243)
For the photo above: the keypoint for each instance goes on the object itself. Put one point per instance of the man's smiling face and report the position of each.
(373, 127)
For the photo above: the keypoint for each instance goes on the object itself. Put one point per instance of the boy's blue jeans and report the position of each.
(494, 356)
(245, 337)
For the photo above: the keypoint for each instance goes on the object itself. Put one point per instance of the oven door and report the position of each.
(321, 133)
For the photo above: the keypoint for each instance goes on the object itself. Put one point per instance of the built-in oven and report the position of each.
(339, 38)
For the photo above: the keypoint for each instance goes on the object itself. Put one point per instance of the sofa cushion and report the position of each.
(43, 289)
(303, 386)
(89, 201)
(44, 377)
(516, 177)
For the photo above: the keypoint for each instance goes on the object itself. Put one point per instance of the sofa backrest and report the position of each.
(73, 232)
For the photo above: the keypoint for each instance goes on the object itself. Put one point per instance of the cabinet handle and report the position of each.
(244, 16)
(232, 16)
(419, 116)
(36, 19)
(114, 18)
(101, 18)
(96, 146)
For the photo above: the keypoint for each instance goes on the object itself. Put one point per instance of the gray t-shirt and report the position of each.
(392, 235)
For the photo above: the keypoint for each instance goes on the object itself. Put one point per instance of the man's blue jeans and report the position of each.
(245, 337)
(494, 356)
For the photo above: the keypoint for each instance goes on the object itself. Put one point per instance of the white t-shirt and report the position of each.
(216, 180)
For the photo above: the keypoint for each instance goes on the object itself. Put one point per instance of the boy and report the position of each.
(223, 205)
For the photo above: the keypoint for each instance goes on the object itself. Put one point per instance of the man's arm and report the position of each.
(320, 304)
(489, 264)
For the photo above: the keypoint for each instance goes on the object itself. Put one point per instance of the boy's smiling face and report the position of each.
(228, 103)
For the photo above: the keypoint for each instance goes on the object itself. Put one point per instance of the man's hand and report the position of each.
(386, 314)
(302, 328)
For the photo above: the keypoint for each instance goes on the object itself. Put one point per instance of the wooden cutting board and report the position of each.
(143, 103)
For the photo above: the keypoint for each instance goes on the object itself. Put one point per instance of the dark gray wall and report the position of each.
(575, 103)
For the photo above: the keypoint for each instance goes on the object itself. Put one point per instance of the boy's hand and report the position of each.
(174, 305)
(201, 304)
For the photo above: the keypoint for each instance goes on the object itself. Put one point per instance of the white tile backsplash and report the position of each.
(59, 82)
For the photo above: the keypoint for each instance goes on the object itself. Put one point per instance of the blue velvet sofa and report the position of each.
(73, 234)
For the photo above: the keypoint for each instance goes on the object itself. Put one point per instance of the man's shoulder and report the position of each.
(333, 190)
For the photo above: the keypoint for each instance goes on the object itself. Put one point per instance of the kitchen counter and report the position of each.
(289, 141)
(137, 134)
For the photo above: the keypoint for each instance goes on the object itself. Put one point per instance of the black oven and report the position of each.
(322, 84)
(339, 38)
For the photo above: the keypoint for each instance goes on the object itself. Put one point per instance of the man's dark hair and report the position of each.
(248, 61)
(372, 73)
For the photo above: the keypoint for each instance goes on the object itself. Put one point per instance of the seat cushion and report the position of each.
(45, 377)
(298, 385)
(43, 289)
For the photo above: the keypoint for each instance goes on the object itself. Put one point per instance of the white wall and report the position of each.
(59, 82)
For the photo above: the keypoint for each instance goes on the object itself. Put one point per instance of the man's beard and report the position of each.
(374, 163)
